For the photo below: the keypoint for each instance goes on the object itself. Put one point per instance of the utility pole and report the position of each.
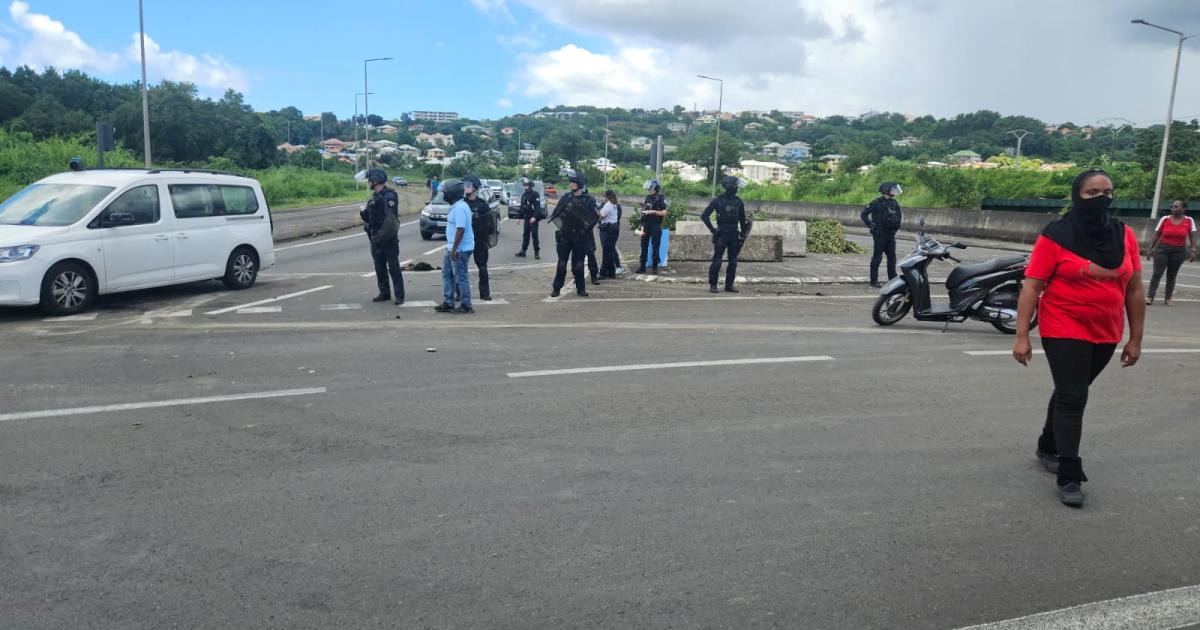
(606, 165)
(1115, 130)
(1162, 158)
(145, 96)
(367, 111)
(717, 149)
(1020, 134)
(322, 141)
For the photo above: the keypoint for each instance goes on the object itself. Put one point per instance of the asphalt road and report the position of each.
(543, 469)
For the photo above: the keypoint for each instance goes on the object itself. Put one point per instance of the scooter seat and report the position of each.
(962, 273)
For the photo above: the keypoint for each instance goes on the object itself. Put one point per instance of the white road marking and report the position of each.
(1175, 608)
(85, 317)
(996, 353)
(551, 300)
(75, 411)
(665, 366)
(340, 307)
(493, 302)
(371, 274)
(254, 310)
(434, 250)
(268, 301)
(330, 240)
(419, 304)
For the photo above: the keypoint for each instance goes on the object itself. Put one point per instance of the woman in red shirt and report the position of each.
(1172, 237)
(1084, 278)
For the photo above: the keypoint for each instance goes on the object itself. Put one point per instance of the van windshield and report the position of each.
(51, 204)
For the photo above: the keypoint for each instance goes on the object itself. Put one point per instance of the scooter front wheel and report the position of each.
(891, 307)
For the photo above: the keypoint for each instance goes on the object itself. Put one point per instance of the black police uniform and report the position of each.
(384, 206)
(652, 229)
(483, 224)
(579, 212)
(728, 235)
(883, 217)
(531, 208)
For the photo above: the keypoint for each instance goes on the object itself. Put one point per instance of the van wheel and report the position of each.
(67, 289)
(427, 236)
(242, 269)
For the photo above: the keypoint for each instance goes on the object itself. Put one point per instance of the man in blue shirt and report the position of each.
(460, 245)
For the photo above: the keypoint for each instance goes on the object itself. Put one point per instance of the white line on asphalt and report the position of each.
(995, 353)
(255, 310)
(372, 273)
(75, 411)
(86, 317)
(268, 301)
(434, 250)
(731, 298)
(340, 307)
(1175, 608)
(330, 240)
(665, 366)
(419, 304)
(492, 302)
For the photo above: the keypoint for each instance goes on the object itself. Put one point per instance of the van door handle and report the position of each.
(161, 237)
(182, 235)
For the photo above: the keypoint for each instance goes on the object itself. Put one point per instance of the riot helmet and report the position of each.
(471, 183)
(731, 184)
(376, 176)
(527, 183)
(577, 177)
(453, 191)
(652, 185)
(890, 188)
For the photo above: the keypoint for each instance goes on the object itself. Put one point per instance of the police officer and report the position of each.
(576, 213)
(882, 216)
(531, 215)
(483, 224)
(654, 210)
(382, 223)
(730, 233)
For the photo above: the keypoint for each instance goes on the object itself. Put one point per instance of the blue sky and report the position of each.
(486, 58)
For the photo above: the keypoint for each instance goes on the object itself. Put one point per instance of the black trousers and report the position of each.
(530, 231)
(1167, 259)
(387, 262)
(1074, 364)
(575, 251)
(593, 266)
(651, 236)
(885, 244)
(481, 261)
(725, 241)
(609, 259)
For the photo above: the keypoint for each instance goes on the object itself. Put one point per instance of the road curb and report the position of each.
(753, 279)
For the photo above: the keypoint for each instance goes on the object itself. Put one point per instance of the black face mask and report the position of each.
(1094, 208)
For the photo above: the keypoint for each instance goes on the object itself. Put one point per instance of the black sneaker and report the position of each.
(731, 289)
(654, 271)
(537, 255)
(876, 285)
(444, 307)
(712, 288)
(520, 254)
(1048, 460)
(1071, 493)
(399, 301)
(463, 310)
(381, 298)
(486, 298)
(640, 270)
(581, 293)
(555, 293)
(595, 280)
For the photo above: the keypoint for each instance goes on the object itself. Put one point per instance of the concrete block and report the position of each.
(758, 248)
(794, 233)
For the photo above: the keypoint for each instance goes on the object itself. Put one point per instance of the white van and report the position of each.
(72, 236)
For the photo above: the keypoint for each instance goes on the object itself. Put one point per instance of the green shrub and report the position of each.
(826, 236)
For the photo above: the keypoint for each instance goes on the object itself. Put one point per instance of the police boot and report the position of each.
(555, 293)
(381, 298)
(641, 269)
(520, 254)
(444, 307)
(582, 293)
(729, 288)
(537, 254)
(712, 288)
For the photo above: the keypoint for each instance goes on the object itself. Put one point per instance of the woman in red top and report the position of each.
(1084, 278)
(1172, 237)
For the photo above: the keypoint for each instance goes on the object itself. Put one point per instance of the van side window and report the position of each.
(239, 199)
(141, 202)
(193, 201)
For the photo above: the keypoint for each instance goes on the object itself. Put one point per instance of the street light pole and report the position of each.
(606, 165)
(367, 111)
(1020, 134)
(145, 97)
(717, 149)
(1162, 158)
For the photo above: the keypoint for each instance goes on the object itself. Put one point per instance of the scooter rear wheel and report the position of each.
(892, 307)
(1010, 328)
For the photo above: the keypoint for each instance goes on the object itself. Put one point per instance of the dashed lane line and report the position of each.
(330, 240)
(341, 307)
(667, 366)
(268, 301)
(76, 411)
(85, 317)
(255, 310)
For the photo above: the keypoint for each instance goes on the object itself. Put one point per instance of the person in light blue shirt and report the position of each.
(460, 245)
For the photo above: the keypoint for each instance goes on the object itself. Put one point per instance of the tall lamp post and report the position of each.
(367, 110)
(1162, 158)
(717, 149)
(356, 95)
(607, 167)
(145, 99)
(1020, 135)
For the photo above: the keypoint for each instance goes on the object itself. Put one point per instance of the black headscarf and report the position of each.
(1096, 236)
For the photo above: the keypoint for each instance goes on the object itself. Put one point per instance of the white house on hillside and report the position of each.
(436, 139)
(772, 172)
(640, 143)
(529, 156)
(687, 172)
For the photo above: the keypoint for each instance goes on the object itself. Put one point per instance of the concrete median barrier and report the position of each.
(758, 248)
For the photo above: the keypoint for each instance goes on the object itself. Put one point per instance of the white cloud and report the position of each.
(51, 44)
(504, 102)
(206, 71)
(574, 75)
(492, 6)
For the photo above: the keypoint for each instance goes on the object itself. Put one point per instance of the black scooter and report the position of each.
(986, 291)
